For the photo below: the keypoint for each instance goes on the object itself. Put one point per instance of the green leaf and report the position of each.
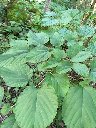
(66, 18)
(74, 50)
(1, 94)
(32, 38)
(79, 108)
(18, 47)
(86, 31)
(81, 56)
(51, 63)
(16, 74)
(60, 83)
(19, 44)
(64, 67)
(56, 39)
(49, 22)
(7, 59)
(92, 48)
(81, 69)
(10, 122)
(68, 35)
(16, 53)
(37, 38)
(50, 13)
(40, 107)
(14, 71)
(54, 19)
(58, 54)
(37, 55)
(42, 38)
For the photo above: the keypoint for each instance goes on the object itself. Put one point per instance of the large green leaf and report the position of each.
(40, 107)
(16, 53)
(15, 74)
(79, 108)
(60, 83)
(10, 122)
(18, 47)
(1, 94)
(7, 59)
(19, 44)
(81, 69)
(38, 54)
(81, 56)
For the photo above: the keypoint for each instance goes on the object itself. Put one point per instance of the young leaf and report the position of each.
(40, 107)
(81, 56)
(81, 69)
(79, 108)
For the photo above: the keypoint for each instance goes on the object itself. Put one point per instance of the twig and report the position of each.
(37, 86)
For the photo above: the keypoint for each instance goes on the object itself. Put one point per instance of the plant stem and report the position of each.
(47, 5)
